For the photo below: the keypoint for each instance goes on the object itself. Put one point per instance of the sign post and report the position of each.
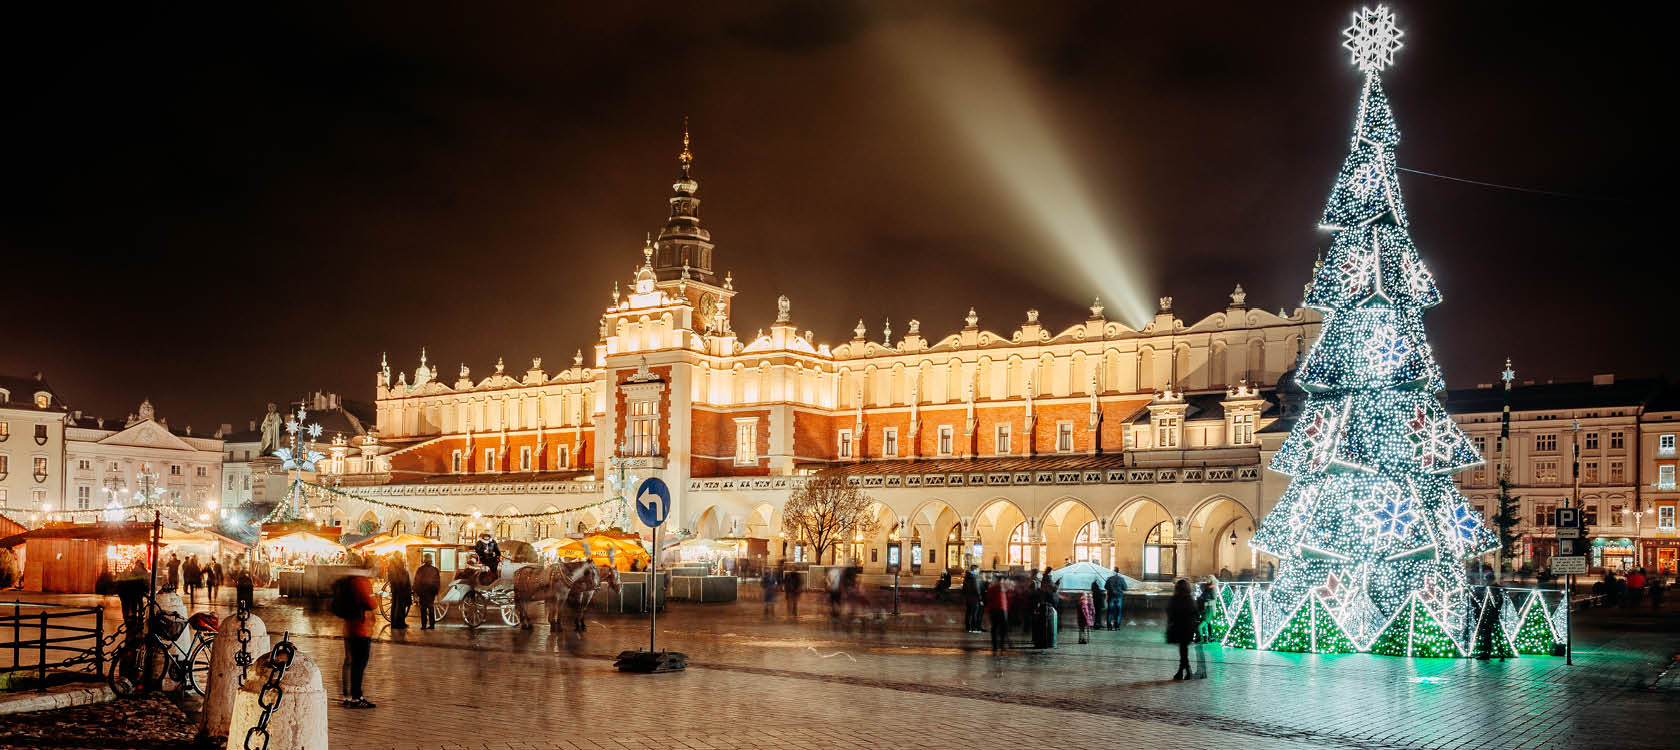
(653, 506)
(1569, 561)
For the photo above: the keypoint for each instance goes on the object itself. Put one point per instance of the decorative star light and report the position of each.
(1432, 438)
(1394, 516)
(1373, 39)
(1357, 271)
(1320, 436)
(1418, 279)
(1332, 588)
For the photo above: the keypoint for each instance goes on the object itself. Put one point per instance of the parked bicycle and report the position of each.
(129, 670)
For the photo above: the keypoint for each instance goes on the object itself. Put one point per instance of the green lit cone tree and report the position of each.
(1371, 516)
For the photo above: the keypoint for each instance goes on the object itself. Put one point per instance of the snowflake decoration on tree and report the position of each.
(1432, 437)
(1300, 516)
(1357, 271)
(1367, 181)
(1464, 523)
(1331, 591)
(1373, 39)
(1387, 348)
(1320, 436)
(1418, 279)
(1393, 515)
(298, 455)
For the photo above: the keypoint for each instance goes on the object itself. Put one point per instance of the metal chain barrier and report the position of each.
(244, 658)
(269, 698)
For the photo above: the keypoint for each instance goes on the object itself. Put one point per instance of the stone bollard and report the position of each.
(299, 721)
(224, 671)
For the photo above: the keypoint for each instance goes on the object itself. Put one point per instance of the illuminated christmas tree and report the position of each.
(1371, 521)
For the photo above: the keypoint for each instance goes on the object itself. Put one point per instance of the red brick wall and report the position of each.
(433, 458)
(712, 433)
(815, 435)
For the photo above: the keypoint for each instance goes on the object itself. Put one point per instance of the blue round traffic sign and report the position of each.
(653, 501)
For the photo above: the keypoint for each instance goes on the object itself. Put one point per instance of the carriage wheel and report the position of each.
(510, 614)
(384, 601)
(439, 611)
(472, 611)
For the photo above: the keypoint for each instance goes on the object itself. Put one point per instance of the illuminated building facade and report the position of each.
(1028, 445)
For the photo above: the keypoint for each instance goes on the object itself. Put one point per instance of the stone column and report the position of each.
(1106, 545)
(1181, 557)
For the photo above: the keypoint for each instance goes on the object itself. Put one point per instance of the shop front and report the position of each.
(1613, 553)
(1659, 556)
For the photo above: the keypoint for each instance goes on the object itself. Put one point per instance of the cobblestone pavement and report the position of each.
(756, 682)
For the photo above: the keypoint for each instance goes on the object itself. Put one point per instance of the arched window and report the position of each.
(398, 528)
(1158, 552)
(432, 531)
(1085, 546)
(1018, 554)
(504, 530)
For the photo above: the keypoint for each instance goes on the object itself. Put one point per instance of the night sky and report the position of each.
(219, 206)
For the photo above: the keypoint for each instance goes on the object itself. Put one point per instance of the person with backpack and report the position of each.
(1116, 587)
(353, 602)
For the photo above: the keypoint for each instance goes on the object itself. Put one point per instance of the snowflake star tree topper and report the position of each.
(1373, 39)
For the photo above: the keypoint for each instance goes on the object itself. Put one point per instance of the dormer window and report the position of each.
(43, 399)
(1242, 429)
(1167, 432)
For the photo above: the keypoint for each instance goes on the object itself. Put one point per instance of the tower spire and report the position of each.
(682, 241)
(686, 158)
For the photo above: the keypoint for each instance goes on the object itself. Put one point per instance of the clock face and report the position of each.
(708, 308)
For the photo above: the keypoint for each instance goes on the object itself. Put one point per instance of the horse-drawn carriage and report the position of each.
(477, 594)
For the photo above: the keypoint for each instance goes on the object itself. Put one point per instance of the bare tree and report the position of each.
(827, 511)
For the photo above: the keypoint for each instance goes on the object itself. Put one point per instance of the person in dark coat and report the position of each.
(971, 599)
(192, 576)
(1116, 586)
(997, 610)
(489, 554)
(213, 579)
(1099, 604)
(131, 591)
(402, 592)
(244, 587)
(174, 568)
(942, 587)
(1487, 627)
(1181, 626)
(427, 582)
(793, 584)
(769, 585)
(1202, 603)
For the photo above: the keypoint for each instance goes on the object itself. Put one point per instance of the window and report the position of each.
(644, 428)
(5, 430)
(1589, 472)
(1166, 432)
(1592, 441)
(889, 442)
(230, 481)
(1003, 440)
(746, 441)
(525, 458)
(174, 470)
(2, 497)
(1665, 518)
(42, 401)
(1085, 546)
(83, 464)
(561, 456)
(40, 434)
(1545, 515)
(1018, 554)
(1618, 473)
(38, 496)
(455, 461)
(947, 440)
(1618, 514)
(1545, 442)
(246, 482)
(5, 465)
(1064, 437)
(1665, 445)
(1616, 440)
(843, 444)
(1479, 475)
(1242, 429)
(113, 467)
(1665, 477)
(1546, 472)
(202, 471)
(489, 459)
(1589, 514)
(84, 496)
(40, 468)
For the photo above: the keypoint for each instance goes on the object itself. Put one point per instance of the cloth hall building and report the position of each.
(1030, 444)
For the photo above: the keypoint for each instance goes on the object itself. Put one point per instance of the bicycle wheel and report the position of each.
(128, 670)
(198, 677)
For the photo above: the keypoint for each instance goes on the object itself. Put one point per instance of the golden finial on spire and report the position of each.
(686, 157)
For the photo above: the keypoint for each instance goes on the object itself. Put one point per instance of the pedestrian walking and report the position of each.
(1099, 604)
(1087, 615)
(971, 599)
(1487, 628)
(174, 568)
(1658, 586)
(427, 582)
(192, 576)
(402, 592)
(1203, 631)
(244, 587)
(353, 603)
(1116, 586)
(793, 584)
(131, 591)
(769, 585)
(1181, 626)
(1635, 588)
(214, 580)
(997, 611)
